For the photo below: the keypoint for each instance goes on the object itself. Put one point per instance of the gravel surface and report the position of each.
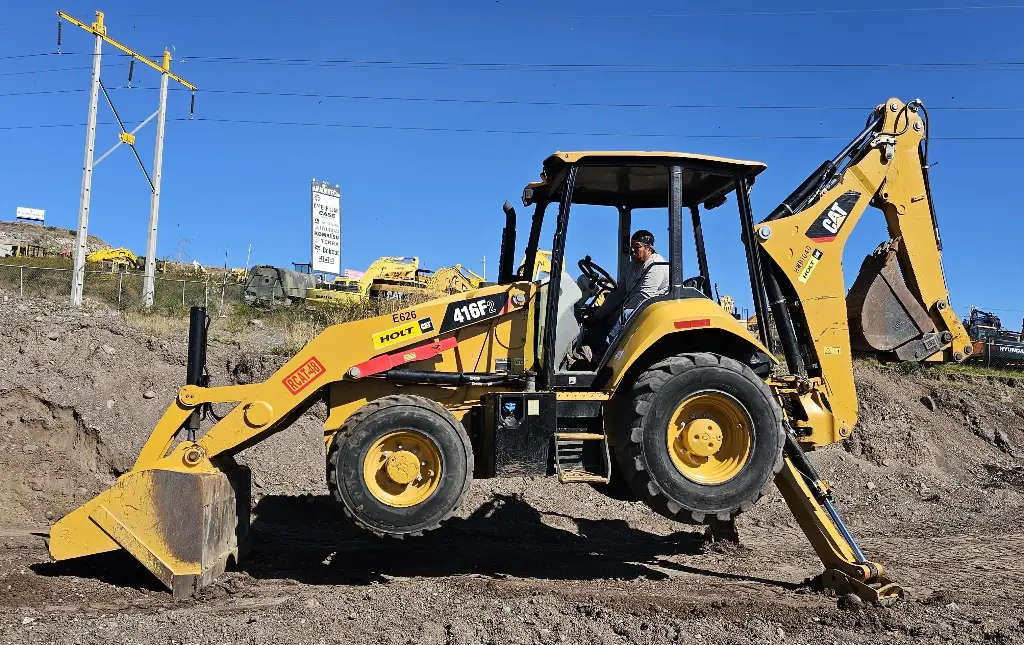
(932, 484)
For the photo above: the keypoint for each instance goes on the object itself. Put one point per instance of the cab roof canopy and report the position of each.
(628, 179)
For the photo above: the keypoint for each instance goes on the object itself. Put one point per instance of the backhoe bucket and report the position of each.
(186, 528)
(884, 316)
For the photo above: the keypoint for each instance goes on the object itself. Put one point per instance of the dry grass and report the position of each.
(291, 328)
(938, 370)
(156, 323)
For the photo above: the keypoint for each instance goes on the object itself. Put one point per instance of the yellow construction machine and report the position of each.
(345, 289)
(683, 409)
(340, 290)
(455, 279)
(395, 279)
(120, 259)
(541, 265)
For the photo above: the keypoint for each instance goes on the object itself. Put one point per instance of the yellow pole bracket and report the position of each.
(99, 29)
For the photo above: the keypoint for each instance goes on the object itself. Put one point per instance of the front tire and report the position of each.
(705, 441)
(400, 465)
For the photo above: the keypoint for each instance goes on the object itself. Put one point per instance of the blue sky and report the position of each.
(428, 177)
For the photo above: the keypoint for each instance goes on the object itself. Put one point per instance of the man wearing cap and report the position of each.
(645, 277)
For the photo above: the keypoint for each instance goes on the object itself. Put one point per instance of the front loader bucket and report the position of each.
(186, 528)
(884, 316)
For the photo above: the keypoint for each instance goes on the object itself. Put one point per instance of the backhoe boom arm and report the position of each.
(902, 317)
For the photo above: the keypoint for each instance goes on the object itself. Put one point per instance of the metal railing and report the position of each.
(121, 289)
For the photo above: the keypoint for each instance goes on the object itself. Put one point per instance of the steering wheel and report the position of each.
(595, 275)
(599, 281)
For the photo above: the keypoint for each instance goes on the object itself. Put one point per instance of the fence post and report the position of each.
(120, 279)
(21, 280)
(182, 293)
(206, 295)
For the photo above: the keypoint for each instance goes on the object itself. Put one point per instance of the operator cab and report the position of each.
(655, 186)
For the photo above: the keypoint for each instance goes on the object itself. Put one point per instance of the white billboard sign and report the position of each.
(326, 215)
(31, 214)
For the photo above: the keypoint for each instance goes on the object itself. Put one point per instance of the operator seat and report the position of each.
(567, 327)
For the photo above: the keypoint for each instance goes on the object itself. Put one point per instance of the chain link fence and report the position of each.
(122, 289)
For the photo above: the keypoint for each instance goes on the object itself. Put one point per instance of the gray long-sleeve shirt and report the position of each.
(654, 283)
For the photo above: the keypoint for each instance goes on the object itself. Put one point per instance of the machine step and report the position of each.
(582, 457)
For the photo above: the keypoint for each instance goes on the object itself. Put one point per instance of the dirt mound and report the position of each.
(50, 238)
(50, 461)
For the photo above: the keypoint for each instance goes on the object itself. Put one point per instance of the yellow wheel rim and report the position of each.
(710, 437)
(402, 468)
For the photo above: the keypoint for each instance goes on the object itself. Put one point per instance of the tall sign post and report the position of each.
(326, 227)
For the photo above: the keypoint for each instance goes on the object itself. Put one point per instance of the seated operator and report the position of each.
(640, 282)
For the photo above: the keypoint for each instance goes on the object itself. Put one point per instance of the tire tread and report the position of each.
(354, 420)
(630, 453)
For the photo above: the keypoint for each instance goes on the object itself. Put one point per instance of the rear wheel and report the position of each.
(705, 440)
(400, 465)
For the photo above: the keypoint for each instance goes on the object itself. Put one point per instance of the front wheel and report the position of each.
(706, 438)
(400, 465)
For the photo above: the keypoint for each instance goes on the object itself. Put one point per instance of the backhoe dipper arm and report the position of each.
(906, 318)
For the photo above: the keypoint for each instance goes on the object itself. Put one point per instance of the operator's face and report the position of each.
(639, 252)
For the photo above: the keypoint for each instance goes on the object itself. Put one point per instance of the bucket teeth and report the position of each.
(185, 527)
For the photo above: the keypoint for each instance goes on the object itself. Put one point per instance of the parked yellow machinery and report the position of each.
(119, 259)
(394, 279)
(455, 279)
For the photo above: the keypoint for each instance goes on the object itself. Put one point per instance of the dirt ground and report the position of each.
(932, 484)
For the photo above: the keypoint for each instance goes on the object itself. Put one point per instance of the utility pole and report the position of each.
(82, 236)
(99, 30)
(149, 283)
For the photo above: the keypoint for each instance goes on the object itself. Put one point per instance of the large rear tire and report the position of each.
(705, 440)
(400, 465)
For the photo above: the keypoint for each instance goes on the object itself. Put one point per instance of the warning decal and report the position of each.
(305, 374)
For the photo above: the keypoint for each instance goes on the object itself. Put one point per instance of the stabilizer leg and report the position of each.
(847, 570)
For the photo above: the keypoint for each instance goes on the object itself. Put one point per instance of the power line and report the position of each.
(511, 16)
(696, 14)
(44, 71)
(612, 67)
(360, 126)
(583, 104)
(18, 56)
(44, 92)
(541, 103)
(732, 68)
(571, 134)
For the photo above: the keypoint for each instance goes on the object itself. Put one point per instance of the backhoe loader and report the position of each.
(684, 410)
